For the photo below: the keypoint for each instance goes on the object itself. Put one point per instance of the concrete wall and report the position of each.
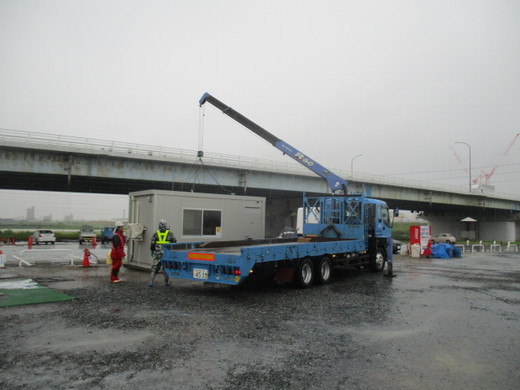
(499, 231)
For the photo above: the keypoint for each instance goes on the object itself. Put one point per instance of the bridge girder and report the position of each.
(47, 169)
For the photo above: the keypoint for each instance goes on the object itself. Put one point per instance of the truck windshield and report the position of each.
(385, 215)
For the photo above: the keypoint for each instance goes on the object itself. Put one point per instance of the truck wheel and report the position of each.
(377, 263)
(304, 273)
(323, 270)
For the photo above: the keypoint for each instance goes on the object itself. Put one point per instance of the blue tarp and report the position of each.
(445, 251)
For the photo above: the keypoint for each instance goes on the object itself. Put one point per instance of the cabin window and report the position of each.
(201, 222)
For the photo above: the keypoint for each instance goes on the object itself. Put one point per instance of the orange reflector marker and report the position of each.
(201, 256)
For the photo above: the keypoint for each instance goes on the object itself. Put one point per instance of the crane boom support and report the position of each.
(337, 184)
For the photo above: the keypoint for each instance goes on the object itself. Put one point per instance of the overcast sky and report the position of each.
(396, 81)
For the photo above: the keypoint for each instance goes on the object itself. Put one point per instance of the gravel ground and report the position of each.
(439, 324)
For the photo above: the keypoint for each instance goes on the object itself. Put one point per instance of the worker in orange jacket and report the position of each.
(117, 254)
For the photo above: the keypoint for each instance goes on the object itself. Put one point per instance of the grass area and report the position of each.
(25, 225)
(401, 230)
(63, 231)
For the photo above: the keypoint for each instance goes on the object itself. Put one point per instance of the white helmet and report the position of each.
(163, 225)
(119, 224)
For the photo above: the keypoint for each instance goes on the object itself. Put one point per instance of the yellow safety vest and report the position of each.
(162, 237)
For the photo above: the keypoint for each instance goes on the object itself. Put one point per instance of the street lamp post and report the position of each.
(469, 147)
(352, 164)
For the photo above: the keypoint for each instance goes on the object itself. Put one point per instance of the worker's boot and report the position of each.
(389, 270)
(152, 277)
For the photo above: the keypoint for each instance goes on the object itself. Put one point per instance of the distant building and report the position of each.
(31, 214)
(68, 218)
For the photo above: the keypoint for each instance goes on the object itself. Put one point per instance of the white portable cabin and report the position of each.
(192, 217)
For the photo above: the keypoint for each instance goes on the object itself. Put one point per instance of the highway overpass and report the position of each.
(49, 162)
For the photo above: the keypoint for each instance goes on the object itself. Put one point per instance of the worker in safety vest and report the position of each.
(389, 261)
(162, 236)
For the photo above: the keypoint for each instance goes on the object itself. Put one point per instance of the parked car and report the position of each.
(43, 236)
(447, 238)
(396, 246)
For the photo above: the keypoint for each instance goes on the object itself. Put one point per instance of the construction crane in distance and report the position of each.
(485, 176)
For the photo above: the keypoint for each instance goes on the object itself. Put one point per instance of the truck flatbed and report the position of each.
(232, 261)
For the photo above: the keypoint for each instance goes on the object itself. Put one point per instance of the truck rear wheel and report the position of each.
(323, 270)
(304, 273)
(377, 263)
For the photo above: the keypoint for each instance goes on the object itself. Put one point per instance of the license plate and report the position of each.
(199, 273)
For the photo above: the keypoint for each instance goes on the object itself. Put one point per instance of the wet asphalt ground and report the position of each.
(450, 324)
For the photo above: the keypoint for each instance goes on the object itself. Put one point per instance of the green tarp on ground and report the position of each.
(28, 292)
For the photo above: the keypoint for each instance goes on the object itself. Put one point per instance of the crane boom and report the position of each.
(337, 184)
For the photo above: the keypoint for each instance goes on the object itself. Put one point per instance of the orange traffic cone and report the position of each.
(94, 242)
(2, 261)
(29, 242)
(86, 255)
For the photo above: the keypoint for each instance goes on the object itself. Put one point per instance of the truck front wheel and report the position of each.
(377, 263)
(304, 273)
(323, 270)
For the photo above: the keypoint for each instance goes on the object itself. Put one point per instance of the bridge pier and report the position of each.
(500, 228)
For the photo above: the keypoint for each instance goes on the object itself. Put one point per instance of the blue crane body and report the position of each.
(339, 231)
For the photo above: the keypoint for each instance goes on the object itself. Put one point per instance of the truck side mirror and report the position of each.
(395, 214)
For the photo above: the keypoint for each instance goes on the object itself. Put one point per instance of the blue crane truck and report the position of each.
(339, 231)
(107, 234)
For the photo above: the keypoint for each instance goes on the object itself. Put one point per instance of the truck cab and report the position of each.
(86, 234)
(107, 233)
